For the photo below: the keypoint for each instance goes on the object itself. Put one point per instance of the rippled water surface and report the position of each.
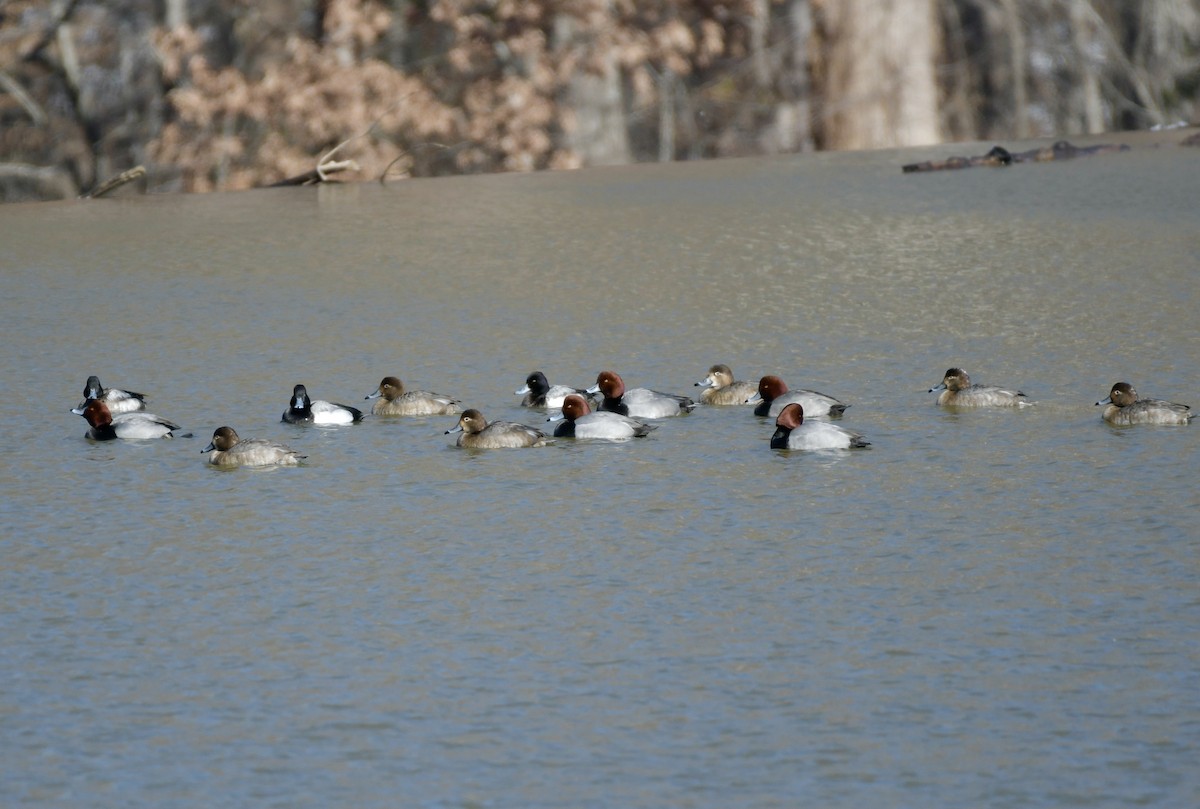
(983, 609)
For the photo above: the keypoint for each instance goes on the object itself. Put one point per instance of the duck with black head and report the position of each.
(303, 410)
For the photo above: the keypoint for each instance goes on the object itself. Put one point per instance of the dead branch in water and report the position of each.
(999, 156)
(383, 174)
(318, 175)
(112, 184)
(326, 165)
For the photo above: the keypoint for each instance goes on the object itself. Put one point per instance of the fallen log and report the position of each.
(999, 156)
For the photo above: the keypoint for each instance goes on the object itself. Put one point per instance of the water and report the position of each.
(983, 609)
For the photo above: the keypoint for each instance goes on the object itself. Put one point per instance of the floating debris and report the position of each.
(999, 156)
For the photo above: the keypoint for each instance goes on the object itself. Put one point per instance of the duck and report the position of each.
(477, 433)
(393, 400)
(957, 391)
(721, 389)
(303, 410)
(538, 392)
(1124, 407)
(118, 401)
(228, 450)
(106, 426)
(793, 432)
(578, 421)
(638, 403)
(773, 395)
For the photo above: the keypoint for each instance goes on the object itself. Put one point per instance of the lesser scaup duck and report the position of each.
(118, 401)
(303, 410)
(1124, 407)
(578, 421)
(538, 392)
(638, 403)
(106, 426)
(226, 449)
(793, 432)
(957, 391)
(478, 434)
(773, 395)
(721, 389)
(395, 401)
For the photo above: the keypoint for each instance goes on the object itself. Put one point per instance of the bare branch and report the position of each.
(113, 183)
(51, 31)
(14, 89)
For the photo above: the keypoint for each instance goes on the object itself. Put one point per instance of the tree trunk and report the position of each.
(1018, 63)
(790, 125)
(1083, 39)
(598, 133)
(877, 85)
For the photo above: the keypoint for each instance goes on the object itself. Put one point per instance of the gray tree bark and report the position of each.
(879, 86)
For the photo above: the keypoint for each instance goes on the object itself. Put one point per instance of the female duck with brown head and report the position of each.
(394, 400)
(1124, 407)
(228, 450)
(477, 433)
(957, 391)
(721, 389)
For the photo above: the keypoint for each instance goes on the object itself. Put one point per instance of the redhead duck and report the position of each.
(773, 395)
(578, 421)
(793, 432)
(638, 403)
(106, 426)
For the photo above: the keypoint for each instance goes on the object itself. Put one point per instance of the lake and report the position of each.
(986, 608)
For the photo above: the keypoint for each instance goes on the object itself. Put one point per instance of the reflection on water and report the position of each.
(984, 608)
